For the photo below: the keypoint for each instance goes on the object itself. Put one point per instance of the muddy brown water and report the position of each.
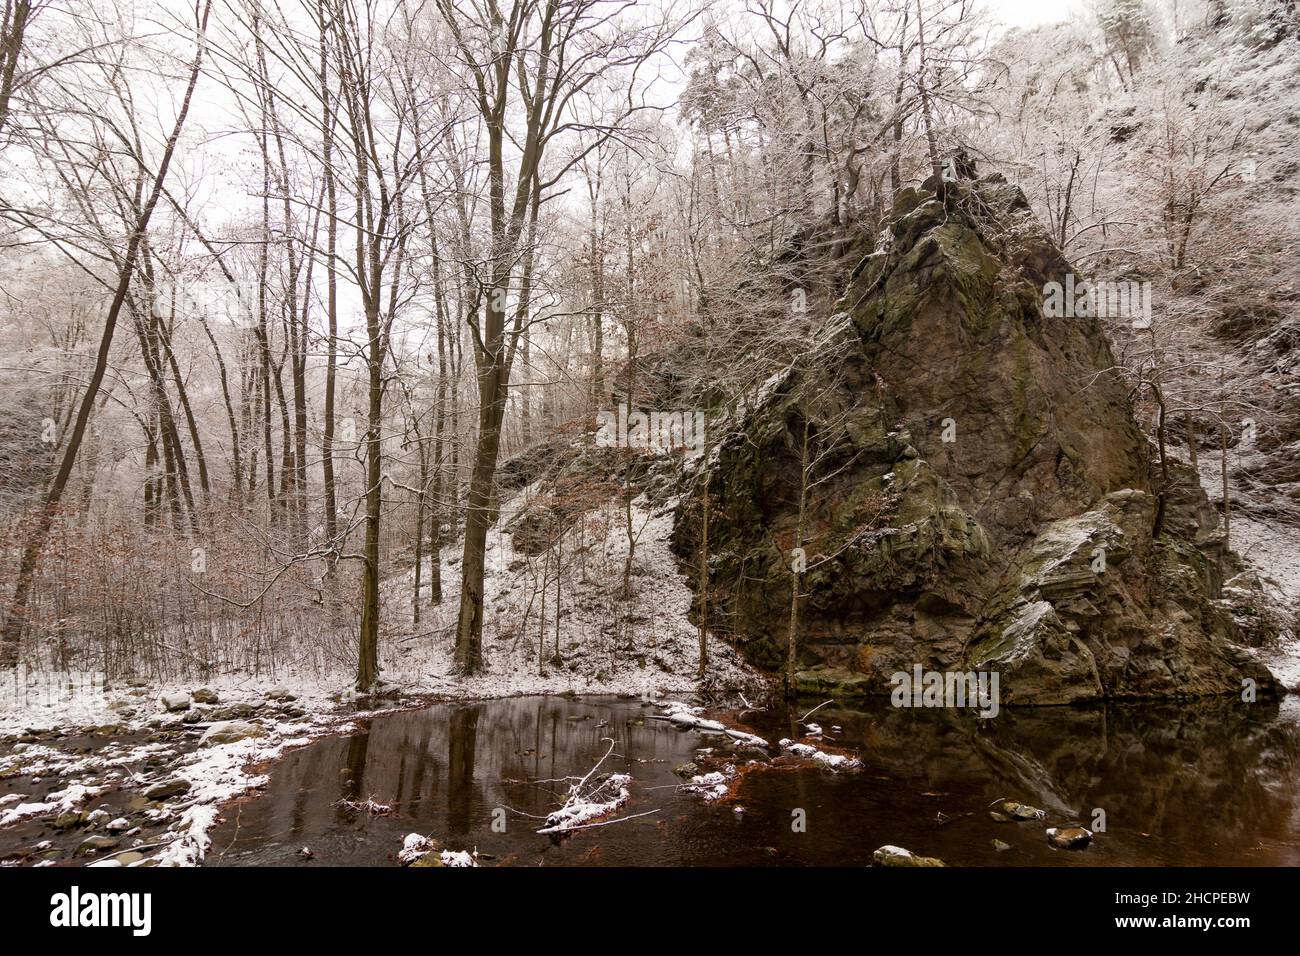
(1189, 784)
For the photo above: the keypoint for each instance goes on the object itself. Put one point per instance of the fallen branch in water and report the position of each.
(369, 805)
(681, 716)
(583, 806)
(814, 710)
(809, 752)
(605, 823)
(131, 849)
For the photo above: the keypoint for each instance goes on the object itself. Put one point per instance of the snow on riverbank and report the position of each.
(643, 643)
(638, 643)
(1271, 547)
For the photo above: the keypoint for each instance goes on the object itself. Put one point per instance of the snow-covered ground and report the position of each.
(1269, 546)
(638, 643)
(642, 643)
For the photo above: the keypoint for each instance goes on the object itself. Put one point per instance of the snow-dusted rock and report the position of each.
(894, 856)
(175, 702)
(228, 731)
(414, 846)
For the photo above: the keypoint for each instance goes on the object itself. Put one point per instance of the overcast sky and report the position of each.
(1030, 13)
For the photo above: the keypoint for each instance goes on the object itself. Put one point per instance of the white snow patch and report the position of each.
(62, 801)
(414, 846)
(459, 858)
(713, 786)
(189, 848)
(640, 643)
(577, 812)
(809, 752)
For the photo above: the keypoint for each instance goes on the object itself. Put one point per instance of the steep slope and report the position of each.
(978, 493)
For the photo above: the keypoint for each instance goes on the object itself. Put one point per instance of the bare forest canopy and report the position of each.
(286, 285)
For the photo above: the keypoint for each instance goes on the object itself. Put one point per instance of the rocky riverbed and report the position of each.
(143, 788)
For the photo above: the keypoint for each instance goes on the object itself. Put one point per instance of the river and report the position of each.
(1186, 784)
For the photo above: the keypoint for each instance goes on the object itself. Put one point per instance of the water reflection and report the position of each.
(1189, 784)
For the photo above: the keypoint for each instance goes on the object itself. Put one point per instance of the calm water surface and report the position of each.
(1187, 784)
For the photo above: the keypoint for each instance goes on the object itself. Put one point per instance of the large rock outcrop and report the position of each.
(980, 496)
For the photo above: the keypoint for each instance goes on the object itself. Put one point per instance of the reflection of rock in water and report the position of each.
(1169, 770)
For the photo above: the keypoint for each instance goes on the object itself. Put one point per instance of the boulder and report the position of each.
(175, 702)
(1009, 811)
(1069, 838)
(229, 731)
(984, 499)
(420, 850)
(95, 844)
(895, 856)
(173, 787)
(205, 695)
(241, 710)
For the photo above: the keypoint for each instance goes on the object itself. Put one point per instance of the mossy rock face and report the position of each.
(1100, 608)
(972, 456)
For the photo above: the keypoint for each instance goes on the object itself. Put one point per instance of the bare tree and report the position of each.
(16, 616)
(527, 63)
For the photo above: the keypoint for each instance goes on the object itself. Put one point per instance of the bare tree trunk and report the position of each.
(1223, 478)
(478, 520)
(438, 506)
(559, 570)
(331, 287)
(182, 396)
(11, 48)
(704, 584)
(145, 322)
(896, 150)
(525, 396)
(931, 142)
(629, 293)
(368, 645)
(541, 626)
(263, 331)
(419, 530)
(796, 572)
